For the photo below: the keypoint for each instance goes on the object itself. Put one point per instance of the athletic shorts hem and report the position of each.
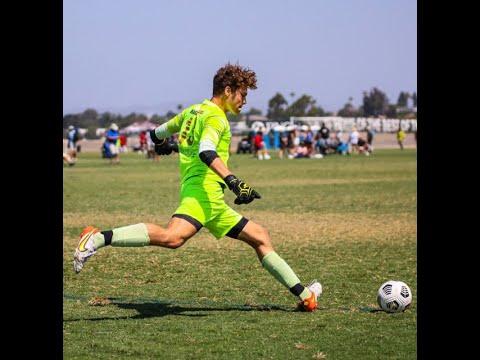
(198, 225)
(237, 229)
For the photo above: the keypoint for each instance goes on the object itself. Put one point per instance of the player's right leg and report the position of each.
(178, 231)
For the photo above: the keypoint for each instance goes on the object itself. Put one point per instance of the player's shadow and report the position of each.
(156, 309)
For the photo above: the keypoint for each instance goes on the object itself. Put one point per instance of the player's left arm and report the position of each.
(208, 154)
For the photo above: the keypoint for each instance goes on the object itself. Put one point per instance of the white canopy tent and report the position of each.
(138, 127)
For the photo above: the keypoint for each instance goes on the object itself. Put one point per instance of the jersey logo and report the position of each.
(187, 133)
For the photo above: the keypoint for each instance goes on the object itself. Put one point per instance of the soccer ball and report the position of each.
(394, 296)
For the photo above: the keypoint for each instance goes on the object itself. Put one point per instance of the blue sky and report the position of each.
(148, 56)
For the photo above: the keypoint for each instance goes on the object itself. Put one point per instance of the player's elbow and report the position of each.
(208, 156)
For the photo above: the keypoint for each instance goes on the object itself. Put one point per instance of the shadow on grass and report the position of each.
(159, 309)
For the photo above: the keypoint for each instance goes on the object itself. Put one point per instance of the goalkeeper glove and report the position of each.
(245, 193)
(163, 146)
(166, 147)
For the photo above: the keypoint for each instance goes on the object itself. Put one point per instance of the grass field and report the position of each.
(349, 221)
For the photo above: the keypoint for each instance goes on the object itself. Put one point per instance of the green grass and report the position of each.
(349, 221)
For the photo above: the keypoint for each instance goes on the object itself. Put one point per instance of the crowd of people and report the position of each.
(304, 143)
(288, 143)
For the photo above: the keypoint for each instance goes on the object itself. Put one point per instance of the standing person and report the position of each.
(68, 159)
(283, 144)
(370, 135)
(353, 140)
(324, 133)
(151, 154)
(111, 140)
(401, 137)
(260, 148)
(142, 138)
(72, 138)
(204, 141)
(123, 143)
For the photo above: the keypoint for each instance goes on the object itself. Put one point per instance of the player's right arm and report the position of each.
(160, 135)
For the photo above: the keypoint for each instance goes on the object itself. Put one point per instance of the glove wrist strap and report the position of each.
(228, 179)
(154, 138)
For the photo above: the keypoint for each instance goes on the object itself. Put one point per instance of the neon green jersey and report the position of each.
(205, 123)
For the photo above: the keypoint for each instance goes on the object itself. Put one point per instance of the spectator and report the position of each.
(370, 135)
(110, 144)
(342, 148)
(260, 150)
(332, 144)
(72, 137)
(353, 140)
(363, 147)
(401, 137)
(244, 146)
(123, 143)
(324, 132)
(68, 159)
(284, 142)
(302, 151)
(321, 139)
(151, 154)
(142, 138)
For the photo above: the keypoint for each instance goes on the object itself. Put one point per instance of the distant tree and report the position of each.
(157, 119)
(375, 103)
(170, 114)
(391, 111)
(315, 111)
(91, 132)
(71, 119)
(414, 99)
(304, 106)
(179, 107)
(89, 117)
(403, 99)
(277, 106)
(348, 109)
(254, 111)
(107, 118)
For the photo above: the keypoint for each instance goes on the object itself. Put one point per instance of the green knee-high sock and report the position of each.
(280, 270)
(126, 236)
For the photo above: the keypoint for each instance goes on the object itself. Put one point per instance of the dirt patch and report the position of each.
(283, 228)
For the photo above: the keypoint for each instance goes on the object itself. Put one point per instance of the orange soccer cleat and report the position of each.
(310, 304)
(85, 248)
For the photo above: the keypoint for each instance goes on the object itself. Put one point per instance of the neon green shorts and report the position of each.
(203, 201)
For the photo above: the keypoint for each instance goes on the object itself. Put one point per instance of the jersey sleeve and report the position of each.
(213, 128)
(169, 128)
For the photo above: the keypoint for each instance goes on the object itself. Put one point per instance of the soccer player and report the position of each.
(203, 146)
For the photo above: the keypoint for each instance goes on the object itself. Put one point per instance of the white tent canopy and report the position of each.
(138, 127)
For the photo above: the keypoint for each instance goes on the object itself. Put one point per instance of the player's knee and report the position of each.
(174, 241)
(174, 244)
(263, 237)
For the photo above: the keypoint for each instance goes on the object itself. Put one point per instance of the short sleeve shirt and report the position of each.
(195, 124)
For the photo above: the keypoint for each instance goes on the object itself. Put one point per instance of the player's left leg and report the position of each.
(233, 225)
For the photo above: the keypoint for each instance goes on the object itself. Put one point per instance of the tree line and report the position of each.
(375, 103)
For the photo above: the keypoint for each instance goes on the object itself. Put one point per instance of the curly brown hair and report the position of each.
(234, 76)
